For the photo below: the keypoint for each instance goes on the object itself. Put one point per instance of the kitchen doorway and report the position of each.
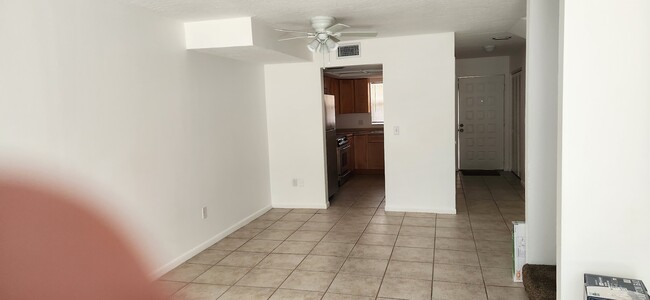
(357, 93)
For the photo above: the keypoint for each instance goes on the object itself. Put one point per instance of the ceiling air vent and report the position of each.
(348, 51)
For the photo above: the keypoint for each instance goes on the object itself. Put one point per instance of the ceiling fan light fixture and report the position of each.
(331, 45)
(314, 45)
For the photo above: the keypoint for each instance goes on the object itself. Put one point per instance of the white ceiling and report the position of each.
(474, 21)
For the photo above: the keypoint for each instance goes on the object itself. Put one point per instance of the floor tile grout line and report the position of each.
(389, 260)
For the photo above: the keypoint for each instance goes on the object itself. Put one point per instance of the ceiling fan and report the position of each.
(326, 34)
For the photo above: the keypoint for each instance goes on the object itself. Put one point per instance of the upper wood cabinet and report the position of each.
(346, 92)
(354, 96)
(361, 95)
(331, 87)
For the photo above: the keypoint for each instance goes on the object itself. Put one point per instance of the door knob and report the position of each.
(461, 125)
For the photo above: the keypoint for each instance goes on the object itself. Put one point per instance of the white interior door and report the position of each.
(480, 122)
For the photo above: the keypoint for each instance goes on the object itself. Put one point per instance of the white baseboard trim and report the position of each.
(450, 211)
(196, 250)
(294, 205)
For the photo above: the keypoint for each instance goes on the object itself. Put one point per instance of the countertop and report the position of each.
(359, 131)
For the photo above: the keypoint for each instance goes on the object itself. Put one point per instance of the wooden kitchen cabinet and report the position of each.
(354, 95)
(375, 152)
(361, 95)
(360, 152)
(346, 96)
(369, 153)
(331, 87)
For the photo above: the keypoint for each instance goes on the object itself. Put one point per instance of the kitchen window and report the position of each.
(377, 102)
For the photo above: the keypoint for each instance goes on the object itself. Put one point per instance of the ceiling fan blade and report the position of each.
(336, 28)
(292, 31)
(333, 38)
(356, 34)
(295, 38)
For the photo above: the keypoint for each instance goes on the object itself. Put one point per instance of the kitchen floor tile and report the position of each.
(364, 266)
(185, 272)
(281, 261)
(208, 257)
(424, 222)
(383, 229)
(321, 263)
(499, 277)
(167, 288)
(418, 231)
(455, 244)
(222, 275)
(307, 236)
(309, 281)
(242, 259)
(413, 254)
(506, 293)
(317, 226)
(378, 239)
(228, 244)
(355, 285)
(405, 288)
(407, 269)
(357, 250)
(332, 296)
(200, 291)
(371, 251)
(452, 290)
(265, 246)
(286, 225)
(284, 294)
(245, 292)
(468, 258)
(457, 273)
(332, 249)
(276, 235)
(295, 247)
(270, 278)
(495, 259)
(415, 241)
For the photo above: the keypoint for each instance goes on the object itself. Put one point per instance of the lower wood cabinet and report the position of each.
(360, 149)
(369, 153)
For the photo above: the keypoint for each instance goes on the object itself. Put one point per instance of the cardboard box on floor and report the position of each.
(518, 250)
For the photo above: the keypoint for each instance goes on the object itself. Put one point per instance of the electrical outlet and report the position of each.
(204, 212)
(360, 122)
(298, 182)
(395, 130)
(294, 182)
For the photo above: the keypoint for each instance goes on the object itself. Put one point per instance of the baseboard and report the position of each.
(205, 245)
(419, 209)
(294, 205)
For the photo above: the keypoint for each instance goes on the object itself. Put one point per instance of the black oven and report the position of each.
(344, 159)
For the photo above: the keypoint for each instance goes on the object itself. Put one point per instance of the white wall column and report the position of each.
(541, 130)
(604, 142)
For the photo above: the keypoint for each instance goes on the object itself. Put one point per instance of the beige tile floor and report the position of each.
(356, 250)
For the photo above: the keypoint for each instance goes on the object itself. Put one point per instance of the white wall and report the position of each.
(104, 98)
(359, 120)
(541, 131)
(490, 66)
(604, 142)
(419, 93)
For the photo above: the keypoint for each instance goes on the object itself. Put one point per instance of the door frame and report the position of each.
(457, 115)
